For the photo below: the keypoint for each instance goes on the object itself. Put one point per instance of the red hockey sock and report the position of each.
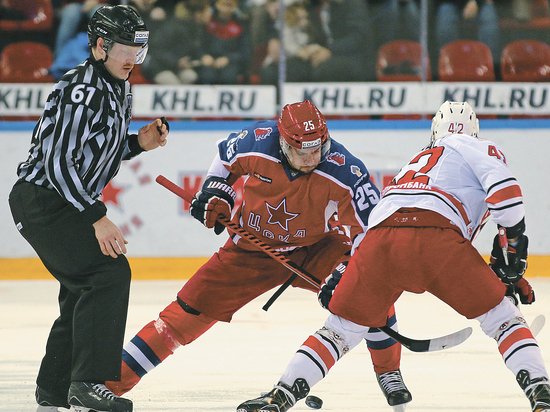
(155, 342)
(145, 351)
(386, 360)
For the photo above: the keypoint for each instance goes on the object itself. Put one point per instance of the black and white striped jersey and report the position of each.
(79, 142)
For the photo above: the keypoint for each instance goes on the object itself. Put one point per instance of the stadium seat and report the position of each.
(466, 61)
(25, 62)
(526, 61)
(400, 61)
(40, 16)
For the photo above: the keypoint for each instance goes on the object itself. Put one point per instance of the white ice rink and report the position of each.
(235, 362)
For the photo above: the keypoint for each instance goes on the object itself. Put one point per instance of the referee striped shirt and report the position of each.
(82, 137)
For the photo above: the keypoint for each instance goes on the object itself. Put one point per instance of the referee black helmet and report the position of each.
(120, 24)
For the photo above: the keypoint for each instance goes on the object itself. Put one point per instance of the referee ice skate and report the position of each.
(77, 147)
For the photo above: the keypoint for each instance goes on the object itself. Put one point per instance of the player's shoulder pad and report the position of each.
(261, 137)
(461, 142)
(344, 166)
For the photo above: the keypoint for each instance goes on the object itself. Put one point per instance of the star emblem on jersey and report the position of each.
(279, 216)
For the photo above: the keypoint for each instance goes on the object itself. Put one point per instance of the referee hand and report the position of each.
(110, 238)
(153, 135)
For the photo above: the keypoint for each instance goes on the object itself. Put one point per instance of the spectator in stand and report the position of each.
(346, 57)
(225, 45)
(74, 52)
(263, 27)
(177, 64)
(303, 42)
(455, 19)
(153, 12)
(73, 18)
(394, 20)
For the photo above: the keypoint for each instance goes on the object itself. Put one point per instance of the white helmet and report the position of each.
(454, 118)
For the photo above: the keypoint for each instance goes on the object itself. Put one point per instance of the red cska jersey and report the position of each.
(288, 209)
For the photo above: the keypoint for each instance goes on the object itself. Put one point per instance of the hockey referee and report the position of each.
(77, 147)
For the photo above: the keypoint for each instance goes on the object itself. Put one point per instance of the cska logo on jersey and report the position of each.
(262, 132)
(278, 215)
(337, 158)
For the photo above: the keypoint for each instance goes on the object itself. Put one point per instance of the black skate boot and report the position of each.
(95, 397)
(48, 402)
(394, 389)
(537, 390)
(280, 399)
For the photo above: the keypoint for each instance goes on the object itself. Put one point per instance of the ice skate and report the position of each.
(537, 390)
(95, 397)
(394, 389)
(280, 399)
(47, 402)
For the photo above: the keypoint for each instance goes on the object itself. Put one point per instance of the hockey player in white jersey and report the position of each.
(419, 240)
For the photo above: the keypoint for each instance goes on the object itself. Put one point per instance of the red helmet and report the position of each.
(302, 125)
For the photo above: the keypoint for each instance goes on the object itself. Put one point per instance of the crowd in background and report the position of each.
(239, 41)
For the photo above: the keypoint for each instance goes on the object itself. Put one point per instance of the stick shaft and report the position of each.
(278, 256)
(503, 243)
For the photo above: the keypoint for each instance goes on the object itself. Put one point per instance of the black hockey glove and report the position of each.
(523, 289)
(512, 272)
(329, 284)
(216, 197)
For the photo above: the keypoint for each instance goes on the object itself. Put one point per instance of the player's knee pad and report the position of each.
(184, 325)
(335, 339)
(351, 333)
(501, 318)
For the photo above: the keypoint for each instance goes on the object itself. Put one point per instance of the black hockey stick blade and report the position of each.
(429, 345)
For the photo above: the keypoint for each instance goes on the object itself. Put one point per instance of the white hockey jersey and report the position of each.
(463, 178)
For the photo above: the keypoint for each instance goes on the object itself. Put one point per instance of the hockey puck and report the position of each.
(314, 402)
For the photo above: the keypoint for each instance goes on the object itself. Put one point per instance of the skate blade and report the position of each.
(399, 408)
(81, 409)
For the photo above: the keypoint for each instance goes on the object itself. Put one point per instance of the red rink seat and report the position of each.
(25, 62)
(40, 16)
(400, 61)
(466, 61)
(526, 61)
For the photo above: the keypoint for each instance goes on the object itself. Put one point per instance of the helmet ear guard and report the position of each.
(454, 118)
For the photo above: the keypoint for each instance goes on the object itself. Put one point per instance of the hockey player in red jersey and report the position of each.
(297, 179)
(419, 239)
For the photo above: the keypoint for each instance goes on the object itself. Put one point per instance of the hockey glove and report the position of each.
(216, 197)
(512, 272)
(329, 284)
(524, 290)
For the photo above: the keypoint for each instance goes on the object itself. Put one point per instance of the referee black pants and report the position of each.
(85, 342)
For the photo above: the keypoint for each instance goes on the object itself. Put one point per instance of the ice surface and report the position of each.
(235, 362)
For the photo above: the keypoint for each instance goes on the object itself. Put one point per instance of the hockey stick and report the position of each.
(415, 345)
(537, 324)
